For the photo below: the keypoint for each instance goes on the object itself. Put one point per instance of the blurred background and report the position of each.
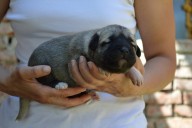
(180, 18)
(168, 108)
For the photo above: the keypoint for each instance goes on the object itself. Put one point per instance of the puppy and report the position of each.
(112, 48)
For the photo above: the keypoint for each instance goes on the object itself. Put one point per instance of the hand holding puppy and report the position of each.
(87, 75)
(22, 82)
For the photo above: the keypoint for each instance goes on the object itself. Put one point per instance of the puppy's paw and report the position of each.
(61, 85)
(135, 76)
(94, 96)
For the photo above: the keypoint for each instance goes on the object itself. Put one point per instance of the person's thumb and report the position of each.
(34, 72)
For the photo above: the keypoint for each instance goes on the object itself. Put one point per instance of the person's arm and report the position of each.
(21, 82)
(155, 20)
(4, 5)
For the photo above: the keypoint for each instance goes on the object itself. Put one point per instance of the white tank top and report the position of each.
(36, 21)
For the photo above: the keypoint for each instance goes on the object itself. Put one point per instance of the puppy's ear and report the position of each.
(133, 42)
(94, 42)
(138, 51)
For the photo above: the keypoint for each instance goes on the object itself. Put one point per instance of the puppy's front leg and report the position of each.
(135, 76)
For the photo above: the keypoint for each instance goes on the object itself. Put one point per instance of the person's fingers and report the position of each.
(95, 71)
(61, 97)
(69, 92)
(76, 75)
(73, 68)
(85, 72)
(70, 102)
(34, 72)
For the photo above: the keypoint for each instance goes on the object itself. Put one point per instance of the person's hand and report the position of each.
(22, 83)
(87, 75)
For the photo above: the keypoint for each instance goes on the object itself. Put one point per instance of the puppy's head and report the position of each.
(113, 49)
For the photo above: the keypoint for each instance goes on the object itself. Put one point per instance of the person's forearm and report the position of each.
(159, 72)
(158, 42)
(4, 5)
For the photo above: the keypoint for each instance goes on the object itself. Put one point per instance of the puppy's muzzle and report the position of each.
(119, 61)
(123, 60)
(124, 52)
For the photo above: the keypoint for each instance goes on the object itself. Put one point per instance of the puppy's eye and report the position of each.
(104, 44)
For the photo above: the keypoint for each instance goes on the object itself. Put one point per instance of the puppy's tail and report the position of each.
(23, 108)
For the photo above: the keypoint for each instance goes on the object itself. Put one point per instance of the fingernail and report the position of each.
(90, 65)
(46, 69)
(72, 62)
(81, 59)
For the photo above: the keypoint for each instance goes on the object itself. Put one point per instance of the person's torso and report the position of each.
(36, 21)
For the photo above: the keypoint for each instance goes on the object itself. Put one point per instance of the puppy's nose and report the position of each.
(124, 50)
